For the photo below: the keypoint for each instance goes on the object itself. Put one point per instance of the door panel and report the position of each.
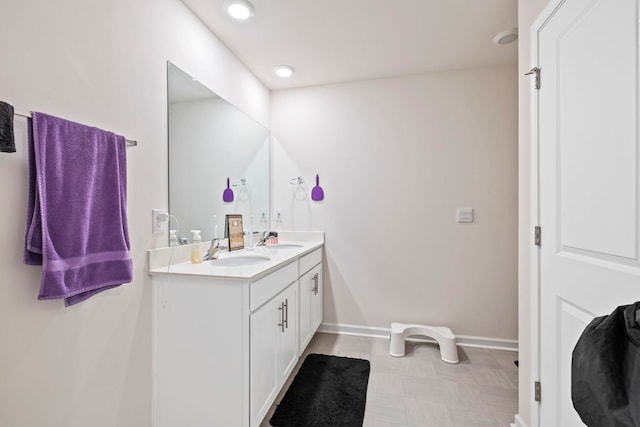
(571, 322)
(596, 115)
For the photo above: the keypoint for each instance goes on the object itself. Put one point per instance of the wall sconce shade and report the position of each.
(317, 193)
(227, 195)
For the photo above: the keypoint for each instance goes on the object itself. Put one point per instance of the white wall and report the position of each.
(101, 63)
(528, 11)
(396, 157)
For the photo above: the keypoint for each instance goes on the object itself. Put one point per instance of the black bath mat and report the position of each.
(328, 391)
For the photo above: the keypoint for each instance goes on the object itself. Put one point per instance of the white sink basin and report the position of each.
(240, 260)
(284, 246)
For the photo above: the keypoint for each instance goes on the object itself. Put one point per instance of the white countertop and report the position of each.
(278, 256)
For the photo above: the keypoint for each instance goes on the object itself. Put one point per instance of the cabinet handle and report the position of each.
(286, 314)
(315, 286)
(282, 321)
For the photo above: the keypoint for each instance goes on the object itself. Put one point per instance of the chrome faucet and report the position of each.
(265, 236)
(214, 249)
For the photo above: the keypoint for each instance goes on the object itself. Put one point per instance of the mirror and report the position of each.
(211, 140)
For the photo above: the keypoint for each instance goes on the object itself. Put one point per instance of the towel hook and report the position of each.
(299, 180)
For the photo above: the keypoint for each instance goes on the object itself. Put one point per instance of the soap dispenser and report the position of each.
(196, 247)
(173, 238)
(215, 226)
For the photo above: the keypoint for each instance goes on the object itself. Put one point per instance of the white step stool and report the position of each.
(444, 337)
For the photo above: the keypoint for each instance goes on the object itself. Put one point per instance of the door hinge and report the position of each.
(536, 394)
(538, 235)
(536, 72)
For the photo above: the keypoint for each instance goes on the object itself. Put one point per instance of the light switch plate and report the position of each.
(464, 215)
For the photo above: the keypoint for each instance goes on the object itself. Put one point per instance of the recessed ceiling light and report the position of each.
(284, 71)
(239, 9)
(506, 37)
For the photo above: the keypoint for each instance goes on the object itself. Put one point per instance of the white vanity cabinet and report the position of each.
(310, 296)
(223, 346)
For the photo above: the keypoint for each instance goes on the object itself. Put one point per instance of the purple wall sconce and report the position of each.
(227, 195)
(317, 193)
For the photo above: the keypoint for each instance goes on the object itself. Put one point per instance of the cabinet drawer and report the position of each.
(308, 261)
(266, 288)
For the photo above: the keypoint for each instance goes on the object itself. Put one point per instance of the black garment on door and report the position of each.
(605, 370)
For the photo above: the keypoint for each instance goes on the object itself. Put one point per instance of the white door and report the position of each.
(588, 178)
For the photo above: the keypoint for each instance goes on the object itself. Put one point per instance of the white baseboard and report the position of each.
(519, 422)
(461, 340)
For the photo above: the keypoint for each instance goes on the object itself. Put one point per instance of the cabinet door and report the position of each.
(274, 349)
(305, 286)
(288, 339)
(316, 299)
(264, 378)
(310, 304)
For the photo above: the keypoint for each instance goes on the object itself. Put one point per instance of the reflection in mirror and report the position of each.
(211, 140)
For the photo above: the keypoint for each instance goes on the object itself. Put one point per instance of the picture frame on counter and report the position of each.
(235, 232)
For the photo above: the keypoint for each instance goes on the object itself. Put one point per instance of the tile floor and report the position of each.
(419, 390)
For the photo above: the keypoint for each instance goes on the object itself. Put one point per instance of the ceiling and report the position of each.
(333, 41)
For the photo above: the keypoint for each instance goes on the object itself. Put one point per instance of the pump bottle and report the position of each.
(196, 247)
(173, 239)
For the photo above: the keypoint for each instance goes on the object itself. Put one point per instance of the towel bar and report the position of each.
(130, 142)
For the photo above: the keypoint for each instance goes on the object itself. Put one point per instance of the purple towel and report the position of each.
(76, 214)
